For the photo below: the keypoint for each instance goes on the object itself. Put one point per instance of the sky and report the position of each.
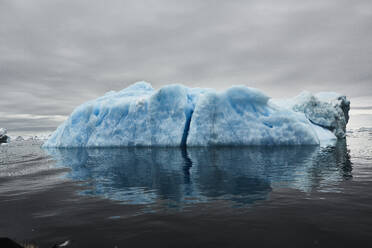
(57, 54)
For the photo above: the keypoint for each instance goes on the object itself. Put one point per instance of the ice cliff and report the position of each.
(176, 115)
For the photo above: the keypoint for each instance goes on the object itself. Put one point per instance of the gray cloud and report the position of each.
(54, 55)
(29, 125)
(363, 107)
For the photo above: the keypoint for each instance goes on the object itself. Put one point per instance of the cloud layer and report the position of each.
(54, 55)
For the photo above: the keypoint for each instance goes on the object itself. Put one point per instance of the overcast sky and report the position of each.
(55, 55)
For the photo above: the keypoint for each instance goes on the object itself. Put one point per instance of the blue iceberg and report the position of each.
(176, 115)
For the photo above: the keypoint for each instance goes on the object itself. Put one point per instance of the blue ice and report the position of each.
(176, 115)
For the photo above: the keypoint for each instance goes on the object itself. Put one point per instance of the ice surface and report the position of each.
(329, 110)
(135, 116)
(242, 116)
(176, 115)
(3, 131)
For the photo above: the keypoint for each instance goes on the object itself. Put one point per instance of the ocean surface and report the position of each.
(303, 196)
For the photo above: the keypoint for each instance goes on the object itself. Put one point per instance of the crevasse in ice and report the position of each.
(176, 115)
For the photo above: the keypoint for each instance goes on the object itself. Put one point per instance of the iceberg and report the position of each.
(176, 115)
(3, 137)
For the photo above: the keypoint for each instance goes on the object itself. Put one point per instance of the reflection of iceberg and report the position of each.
(243, 175)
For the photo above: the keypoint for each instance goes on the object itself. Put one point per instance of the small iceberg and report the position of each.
(3, 137)
(176, 115)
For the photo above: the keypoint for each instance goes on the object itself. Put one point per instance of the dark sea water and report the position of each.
(304, 196)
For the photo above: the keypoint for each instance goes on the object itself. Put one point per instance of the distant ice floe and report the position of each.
(39, 137)
(176, 115)
(3, 137)
(3, 131)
